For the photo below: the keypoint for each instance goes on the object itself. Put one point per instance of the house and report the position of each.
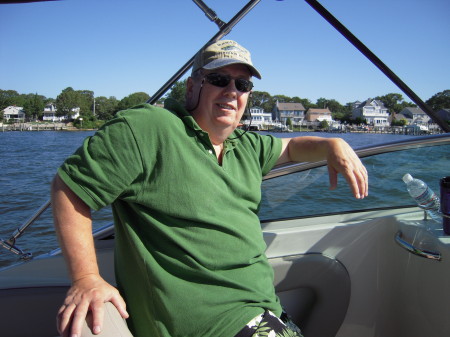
(50, 113)
(15, 113)
(318, 115)
(373, 111)
(258, 118)
(399, 117)
(294, 111)
(416, 115)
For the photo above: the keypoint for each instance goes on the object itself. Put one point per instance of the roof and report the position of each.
(319, 111)
(369, 102)
(399, 116)
(290, 106)
(413, 111)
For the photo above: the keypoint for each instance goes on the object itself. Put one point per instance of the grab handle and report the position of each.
(416, 251)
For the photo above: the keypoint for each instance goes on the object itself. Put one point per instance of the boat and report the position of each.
(380, 268)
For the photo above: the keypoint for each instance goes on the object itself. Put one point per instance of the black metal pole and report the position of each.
(377, 62)
(224, 30)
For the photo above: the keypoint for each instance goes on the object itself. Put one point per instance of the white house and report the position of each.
(15, 113)
(259, 118)
(50, 113)
(416, 115)
(373, 111)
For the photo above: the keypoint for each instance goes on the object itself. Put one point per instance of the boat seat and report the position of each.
(314, 290)
(31, 311)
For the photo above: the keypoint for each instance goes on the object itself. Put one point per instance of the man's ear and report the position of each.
(189, 86)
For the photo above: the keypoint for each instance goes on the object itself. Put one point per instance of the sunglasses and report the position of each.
(222, 81)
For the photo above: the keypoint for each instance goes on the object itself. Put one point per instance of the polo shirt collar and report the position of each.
(178, 109)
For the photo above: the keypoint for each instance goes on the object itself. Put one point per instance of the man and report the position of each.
(184, 185)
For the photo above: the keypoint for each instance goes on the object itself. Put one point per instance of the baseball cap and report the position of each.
(223, 53)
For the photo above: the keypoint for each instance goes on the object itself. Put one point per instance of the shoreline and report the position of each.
(23, 127)
(40, 127)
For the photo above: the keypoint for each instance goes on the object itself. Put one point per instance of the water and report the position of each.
(28, 163)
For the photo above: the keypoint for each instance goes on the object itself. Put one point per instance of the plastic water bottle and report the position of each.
(424, 196)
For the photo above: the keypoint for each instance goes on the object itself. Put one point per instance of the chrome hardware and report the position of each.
(10, 244)
(416, 251)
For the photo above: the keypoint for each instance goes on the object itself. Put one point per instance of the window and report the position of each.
(307, 193)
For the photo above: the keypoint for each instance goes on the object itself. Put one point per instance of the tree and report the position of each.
(321, 103)
(324, 124)
(105, 108)
(66, 102)
(394, 102)
(401, 122)
(132, 100)
(441, 100)
(263, 100)
(303, 101)
(85, 102)
(34, 106)
(178, 91)
(289, 122)
(7, 98)
(282, 98)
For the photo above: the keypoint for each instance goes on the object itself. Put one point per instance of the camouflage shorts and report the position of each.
(269, 325)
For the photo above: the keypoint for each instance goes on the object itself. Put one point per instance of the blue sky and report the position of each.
(116, 47)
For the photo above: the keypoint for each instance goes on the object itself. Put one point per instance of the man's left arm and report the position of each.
(339, 155)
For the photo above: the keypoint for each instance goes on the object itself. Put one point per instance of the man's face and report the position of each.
(218, 108)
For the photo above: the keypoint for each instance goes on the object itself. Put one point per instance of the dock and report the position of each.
(33, 127)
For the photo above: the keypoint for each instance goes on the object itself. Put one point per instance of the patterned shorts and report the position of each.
(269, 325)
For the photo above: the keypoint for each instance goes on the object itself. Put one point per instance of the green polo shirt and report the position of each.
(189, 248)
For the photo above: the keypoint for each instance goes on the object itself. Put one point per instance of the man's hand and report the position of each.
(88, 293)
(342, 159)
(339, 155)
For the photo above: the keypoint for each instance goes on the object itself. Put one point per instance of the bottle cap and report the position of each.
(407, 178)
(445, 182)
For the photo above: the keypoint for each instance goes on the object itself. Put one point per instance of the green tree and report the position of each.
(105, 108)
(7, 98)
(324, 124)
(263, 100)
(304, 101)
(132, 100)
(282, 99)
(401, 122)
(178, 91)
(34, 106)
(441, 100)
(360, 120)
(394, 102)
(66, 102)
(289, 122)
(85, 102)
(322, 103)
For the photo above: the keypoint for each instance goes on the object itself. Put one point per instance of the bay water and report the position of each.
(29, 160)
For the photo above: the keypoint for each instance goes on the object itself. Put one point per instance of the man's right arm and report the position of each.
(73, 225)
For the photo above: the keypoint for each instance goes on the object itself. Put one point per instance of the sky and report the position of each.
(116, 48)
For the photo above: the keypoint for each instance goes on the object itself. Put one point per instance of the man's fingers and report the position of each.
(332, 175)
(98, 314)
(121, 306)
(63, 319)
(79, 316)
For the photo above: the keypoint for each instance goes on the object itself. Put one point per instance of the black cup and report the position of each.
(445, 203)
